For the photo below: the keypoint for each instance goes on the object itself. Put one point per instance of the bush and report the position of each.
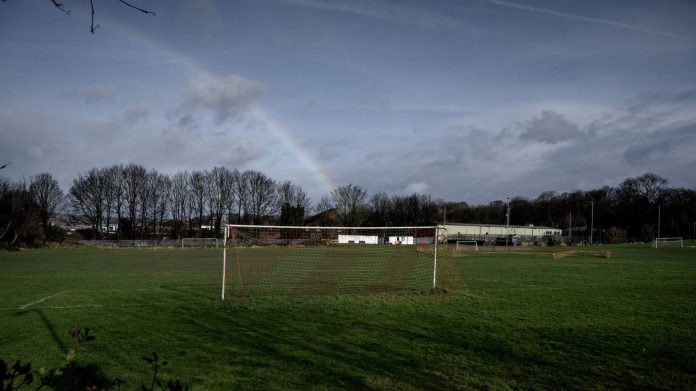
(55, 234)
(616, 235)
(554, 240)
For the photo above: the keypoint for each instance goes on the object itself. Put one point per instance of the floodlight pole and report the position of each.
(659, 219)
(507, 228)
(224, 262)
(592, 221)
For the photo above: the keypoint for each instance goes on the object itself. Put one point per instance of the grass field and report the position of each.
(523, 320)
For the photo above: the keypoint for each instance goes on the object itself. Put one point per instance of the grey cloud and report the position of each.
(674, 142)
(649, 101)
(550, 128)
(684, 96)
(95, 93)
(136, 113)
(225, 96)
(187, 123)
(417, 187)
(644, 153)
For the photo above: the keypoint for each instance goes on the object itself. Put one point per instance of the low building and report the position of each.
(498, 233)
(401, 240)
(358, 239)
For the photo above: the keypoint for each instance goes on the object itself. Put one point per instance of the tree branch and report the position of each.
(91, 4)
(139, 9)
(60, 6)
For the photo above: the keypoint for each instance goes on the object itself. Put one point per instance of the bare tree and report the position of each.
(115, 197)
(262, 196)
(219, 193)
(198, 188)
(293, 195)
(231, 182)
(59, 5)
(46, 196)
(380, 206)
(325, 203)
(86, 198)
(350, 204)
(242, 187)
(134, 181)
(157, 191)
(179, 200)
(19, 220)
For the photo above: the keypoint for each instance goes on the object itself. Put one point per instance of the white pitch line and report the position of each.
(25, 306)
(116, 305)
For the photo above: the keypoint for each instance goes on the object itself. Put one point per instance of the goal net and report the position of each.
(466, 245)
(669, 242)
(199, 242)
(275, 260)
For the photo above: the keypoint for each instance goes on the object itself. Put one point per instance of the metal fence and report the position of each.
(132, 243)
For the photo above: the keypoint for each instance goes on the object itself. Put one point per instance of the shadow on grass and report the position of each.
(48, 325)
(193, 290)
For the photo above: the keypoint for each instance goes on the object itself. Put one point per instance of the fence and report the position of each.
(132, 243)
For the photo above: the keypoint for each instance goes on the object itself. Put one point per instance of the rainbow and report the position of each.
(195, 69)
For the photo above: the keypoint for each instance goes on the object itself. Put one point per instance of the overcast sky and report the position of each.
(472, 100)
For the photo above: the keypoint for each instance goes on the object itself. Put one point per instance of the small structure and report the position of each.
(494, 233)
(401, 240)
(361, 239)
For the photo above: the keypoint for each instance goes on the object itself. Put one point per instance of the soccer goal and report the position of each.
(466, 244)
(277, 260)
(669, 242)
(199, 242)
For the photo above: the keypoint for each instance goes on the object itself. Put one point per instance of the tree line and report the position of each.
(133, 202)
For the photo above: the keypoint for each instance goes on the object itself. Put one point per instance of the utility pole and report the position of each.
(507, 215)
(592, 221)
(444, 217)
(659, 219)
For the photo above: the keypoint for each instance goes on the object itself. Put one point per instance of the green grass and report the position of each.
(523, 320)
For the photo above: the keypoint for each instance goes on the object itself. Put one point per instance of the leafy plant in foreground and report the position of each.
(72, 376)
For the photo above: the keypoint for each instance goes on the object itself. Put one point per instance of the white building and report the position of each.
(361, 239)
(487, 232)
(401, 240)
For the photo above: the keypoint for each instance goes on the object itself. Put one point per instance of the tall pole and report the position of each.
(507, 229)
(570, 226)
(659, 219)
(444, 217)
(592, 222)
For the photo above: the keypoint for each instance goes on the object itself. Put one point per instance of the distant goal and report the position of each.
(669, 242)
(199, 242)
(462, 245)
(277, 260)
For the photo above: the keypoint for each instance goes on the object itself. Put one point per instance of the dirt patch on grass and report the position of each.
(587, 253)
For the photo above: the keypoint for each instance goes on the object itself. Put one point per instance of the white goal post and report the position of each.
(461, 244)
(199, 242)
(299, 260)
(675, 241)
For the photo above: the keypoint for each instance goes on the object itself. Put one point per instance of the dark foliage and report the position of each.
(72, 375)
